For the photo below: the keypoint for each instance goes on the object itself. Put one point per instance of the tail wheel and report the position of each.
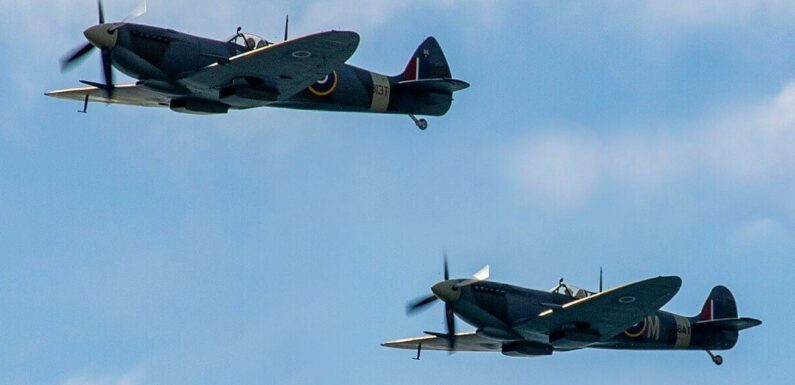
(716, 358)
(422, 124)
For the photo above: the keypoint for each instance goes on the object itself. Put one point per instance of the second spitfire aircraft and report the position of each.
(522, 322)
(204, 76)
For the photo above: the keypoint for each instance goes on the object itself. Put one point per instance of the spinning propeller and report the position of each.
(102, 36)
(447, 291)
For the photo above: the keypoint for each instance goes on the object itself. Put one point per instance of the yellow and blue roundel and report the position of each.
(637, 329)
(325, 86)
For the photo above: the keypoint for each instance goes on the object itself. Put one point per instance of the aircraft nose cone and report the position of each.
(101, 35)
(446, 291)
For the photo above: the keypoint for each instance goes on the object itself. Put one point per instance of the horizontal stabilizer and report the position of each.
(733, 324)
(443, 85)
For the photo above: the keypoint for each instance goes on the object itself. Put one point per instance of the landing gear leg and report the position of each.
(419, 350)
(421, 123)
(716, 358)
(85, 105)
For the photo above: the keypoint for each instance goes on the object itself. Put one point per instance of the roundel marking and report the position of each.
(636, 330)
(325, 86)
(301, 54)
(627, 299)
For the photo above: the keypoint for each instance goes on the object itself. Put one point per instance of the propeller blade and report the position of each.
(70, 59)
(446, 270)
(420, 304)
(137, 12)
(107, 71)
(450, 320)
(101, 13)
(481, 275)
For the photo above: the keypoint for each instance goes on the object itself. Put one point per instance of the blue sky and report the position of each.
(140, 246)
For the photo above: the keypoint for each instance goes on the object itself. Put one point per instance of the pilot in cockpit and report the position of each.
(570, 290)
(248, 41)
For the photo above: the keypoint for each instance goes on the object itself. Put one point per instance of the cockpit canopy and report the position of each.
(249, 41)
(571, 291)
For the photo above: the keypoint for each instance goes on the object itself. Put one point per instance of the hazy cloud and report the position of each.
(762, 238)
(752, 146)
(133, 377)
(558, 169)
(697, 14)
(756, 145)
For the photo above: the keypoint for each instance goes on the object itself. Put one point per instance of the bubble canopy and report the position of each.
(248, 41)
(571, 291)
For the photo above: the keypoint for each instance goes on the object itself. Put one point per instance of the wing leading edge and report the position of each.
(464, 342)
(129, 94)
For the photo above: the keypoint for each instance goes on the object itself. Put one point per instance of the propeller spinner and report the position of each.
(447, 291)
(104, 37)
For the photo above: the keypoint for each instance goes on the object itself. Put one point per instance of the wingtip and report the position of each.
(348, 40)
(670, 280)
(342, 32)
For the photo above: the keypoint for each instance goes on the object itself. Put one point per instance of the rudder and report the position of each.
(720, 304)
(428, 62)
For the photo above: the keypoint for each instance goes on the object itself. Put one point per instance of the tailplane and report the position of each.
(428, 83)
(720, 312)
(730, 324)
(718, 324)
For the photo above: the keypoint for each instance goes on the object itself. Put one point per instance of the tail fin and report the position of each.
(428, 62)
(719, 305)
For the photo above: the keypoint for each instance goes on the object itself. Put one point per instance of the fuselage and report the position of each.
(494, 307)
(162, 58)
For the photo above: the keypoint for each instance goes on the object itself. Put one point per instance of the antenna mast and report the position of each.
(286, 24)
(600, 279)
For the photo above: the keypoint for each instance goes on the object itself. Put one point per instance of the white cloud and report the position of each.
(679, 14)
(365, 16)
(752, 147)
(761, 234)
(559, 170)
(133, 377)
(647, 162)
(755, 146)
(65, 20)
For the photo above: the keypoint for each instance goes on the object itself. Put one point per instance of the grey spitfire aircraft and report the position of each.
(522, 322)
(203, 76)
